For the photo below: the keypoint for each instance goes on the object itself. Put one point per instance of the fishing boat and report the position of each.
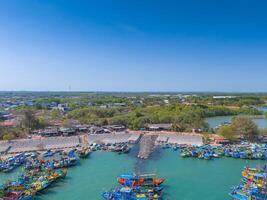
(175, 148)
(133, 187)
(125, 149)
(48, 153)
(121, 149)
(141, 180)
(238, 194)
(84, 153)
(185, 154)
(64, 162)
(253, 186)
(136, 193)
(8, 168)
(53, 176)
(16, 196)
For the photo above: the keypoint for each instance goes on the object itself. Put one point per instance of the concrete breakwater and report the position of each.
(150, 140)
(147, 144)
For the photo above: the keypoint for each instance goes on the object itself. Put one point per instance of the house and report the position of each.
(61, 107)
(159, 127)
(166, 101)
(220, 140)
(197, 130)
(8, 123)
(48, 132)
(113, 105)
(118, 105)
(82, 128)
(223, 97)
(98, 130)
(115, 128)
(67, 131)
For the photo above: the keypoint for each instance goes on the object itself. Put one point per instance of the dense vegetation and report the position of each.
(11, 133)
(237, 101)
(240, 127)
(28, 123)
(133, 110)
(183, 117)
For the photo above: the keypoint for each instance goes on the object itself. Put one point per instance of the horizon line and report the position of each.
(139, 91)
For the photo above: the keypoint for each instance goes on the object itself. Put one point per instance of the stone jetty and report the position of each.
(147, 145)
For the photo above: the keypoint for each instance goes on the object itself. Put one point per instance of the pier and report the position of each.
(147, 145)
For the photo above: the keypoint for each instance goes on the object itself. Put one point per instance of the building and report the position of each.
(48, 132)
(220, 140)
(98, 130)
(115, 128)
(67, 131)
(9, 123)
(61, 107)
(159, 127)
(82, 128)
(223, 97)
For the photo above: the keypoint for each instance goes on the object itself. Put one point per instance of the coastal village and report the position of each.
(47, 147)
(133, 100)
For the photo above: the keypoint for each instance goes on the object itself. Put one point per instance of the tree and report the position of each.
(122, 120)
(68, 123)
(40, 123)
(263, 131)
(29, 120)
(227, 132)
(8, 136)
(190, 120)
(55, 114)
(245, 126)
(206, 138)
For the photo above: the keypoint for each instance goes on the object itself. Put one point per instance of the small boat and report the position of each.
(48, 153)
(84, 153)
(125, 149)
(141, 180)
(136, 193)
(9, 168)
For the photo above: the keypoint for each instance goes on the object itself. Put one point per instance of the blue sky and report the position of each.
(118, 45)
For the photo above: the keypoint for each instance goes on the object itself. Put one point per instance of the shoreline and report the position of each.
(61, 143)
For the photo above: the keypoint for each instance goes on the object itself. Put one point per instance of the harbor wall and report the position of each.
(45, 143)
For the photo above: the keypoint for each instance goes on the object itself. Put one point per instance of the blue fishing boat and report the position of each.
(48, 153)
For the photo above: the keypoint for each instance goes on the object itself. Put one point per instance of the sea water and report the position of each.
(215, 121)
(186, 178)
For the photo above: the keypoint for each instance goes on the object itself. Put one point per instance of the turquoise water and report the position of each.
(215, 121)
(264, 109)
(186, 178)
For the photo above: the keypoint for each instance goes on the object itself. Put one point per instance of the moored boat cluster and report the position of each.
(209, 152)
(133, 187)
(39, 174)
(253, 185)
(40, 171)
